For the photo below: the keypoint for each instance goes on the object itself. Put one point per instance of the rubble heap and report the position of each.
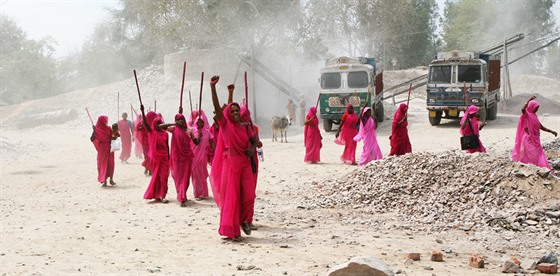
(449, 190)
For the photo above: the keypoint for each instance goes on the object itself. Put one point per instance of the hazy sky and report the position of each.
(70, 21)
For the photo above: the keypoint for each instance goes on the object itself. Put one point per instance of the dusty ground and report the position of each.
(57, 220)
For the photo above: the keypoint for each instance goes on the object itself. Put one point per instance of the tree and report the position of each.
(27, 67)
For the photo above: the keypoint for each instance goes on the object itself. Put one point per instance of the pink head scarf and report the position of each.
(528, 120)
(400, 114)
(472, 109)
(102, 129)
(158, 142)
(237, 136)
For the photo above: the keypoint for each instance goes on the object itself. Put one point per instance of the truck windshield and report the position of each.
(469, 73)
(357, 79)
(440, 74)
(330, 80)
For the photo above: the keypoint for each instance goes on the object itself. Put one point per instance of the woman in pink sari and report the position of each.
(101, 138)
(138, 151)
(142, 129)
(236, 192)
(528, 148)
(159, 157)
(312, 137)
(400, 143)
(125, 129)
(470, 126)
(367, 133)
(200, 159)
(345, 135)
(181, 156)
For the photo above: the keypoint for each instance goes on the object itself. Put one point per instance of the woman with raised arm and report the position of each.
(237, 196)
(470, 127)
(182, 156)
(368, 126)
(528, 148)
(312, 137)
(101, 138)
(400, 143)
(159, 156)
(345, 135)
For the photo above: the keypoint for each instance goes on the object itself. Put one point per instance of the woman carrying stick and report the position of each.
(400, 143)
(101, 138)
(528, 148)
(237, 195)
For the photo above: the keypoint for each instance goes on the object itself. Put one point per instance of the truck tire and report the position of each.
(327, 125)
(434, 121)
(380, 112)
(492, 112)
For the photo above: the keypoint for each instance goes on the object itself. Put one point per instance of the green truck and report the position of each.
(349, 80)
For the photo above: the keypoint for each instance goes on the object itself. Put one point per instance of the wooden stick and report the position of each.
(317, 103)
(137, 87)
(200, 95)
(133, 110)
(190, 102)
(409, 90)
(182, 86)
(155, 106)
(90, 119)
(246, 91)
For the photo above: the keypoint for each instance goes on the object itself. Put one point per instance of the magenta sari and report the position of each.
(102, 143)
(312, 138)
(367, 133)
(159, 156)
(528, 148)
(126, 139)
(466, 131)
(138, 151)
(181, 159)
(400, 143)
(200, 163)
(236, 191)
(346, 136)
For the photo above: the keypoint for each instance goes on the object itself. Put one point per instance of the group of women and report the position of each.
(354, 128)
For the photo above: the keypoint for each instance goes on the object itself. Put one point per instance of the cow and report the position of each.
(280, 124)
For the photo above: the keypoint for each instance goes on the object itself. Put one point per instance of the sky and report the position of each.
(70, 22)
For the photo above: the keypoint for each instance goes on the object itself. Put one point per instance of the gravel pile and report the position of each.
(448, 190)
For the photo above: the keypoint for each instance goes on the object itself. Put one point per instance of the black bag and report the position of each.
(469, 142)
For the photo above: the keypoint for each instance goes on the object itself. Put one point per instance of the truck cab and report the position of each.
(344, 81)
(459, 79)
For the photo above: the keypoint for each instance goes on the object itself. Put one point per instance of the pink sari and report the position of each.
(126, 139)
(200, 163)
(312, 138)
(346, 136)
(367, 133)
(400, 143)
(181, 159)
(138, 151)
(466, 131)
(528, 148)
(236, 191)
(159, 156)
(102, 143)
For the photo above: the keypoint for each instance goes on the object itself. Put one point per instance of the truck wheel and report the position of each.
(434, 121)
(492, 112)
(379, 112)
(327, 125)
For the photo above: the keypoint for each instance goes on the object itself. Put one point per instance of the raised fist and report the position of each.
(214, 80)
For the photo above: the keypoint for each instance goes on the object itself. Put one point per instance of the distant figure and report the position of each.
(400, 143)
(470, 126)
(345, 135)
(312, 137)
(126, 130)
(291, 111)
(159, 156)
(138, 152)
(101, 138)
(368, 126)
(395, 64)
(528, 148)
(302, 107)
